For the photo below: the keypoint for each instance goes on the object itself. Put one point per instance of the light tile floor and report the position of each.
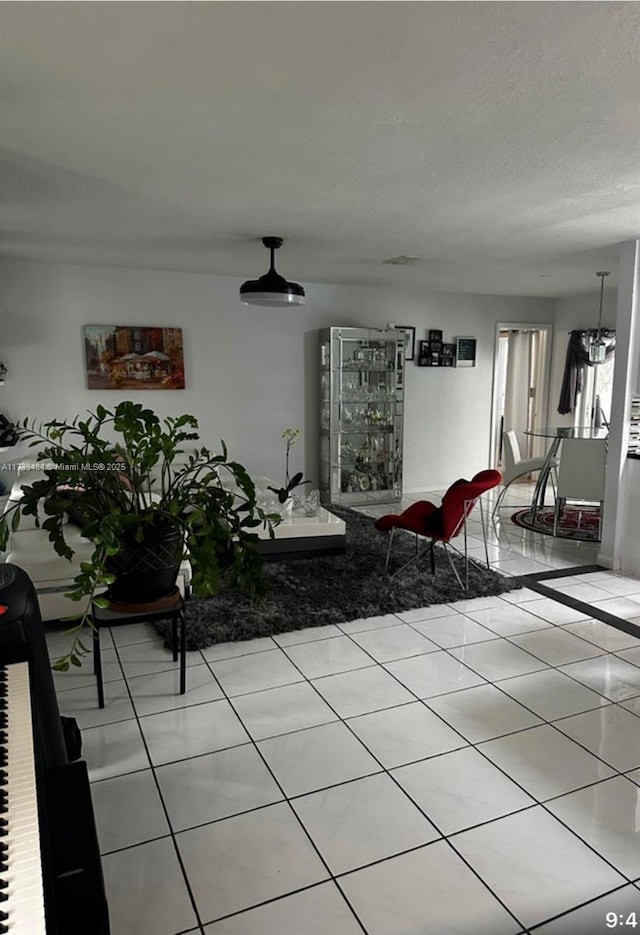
(464, 769)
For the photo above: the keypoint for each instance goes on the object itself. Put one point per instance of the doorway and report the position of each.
(521, 370)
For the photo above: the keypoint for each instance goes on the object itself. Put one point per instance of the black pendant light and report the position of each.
(272, 288)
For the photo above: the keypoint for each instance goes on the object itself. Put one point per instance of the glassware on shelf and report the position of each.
(368, 393)
(311, 503)
(364, 479)
(370, 359)
(356, 361)
(365, 417)
(269, 502)
(324, 387)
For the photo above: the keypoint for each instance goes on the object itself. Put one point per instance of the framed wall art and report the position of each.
(409, 340)
(424, 354)
(432, 354)
(448, 355)
(131, 357)
(466, 352)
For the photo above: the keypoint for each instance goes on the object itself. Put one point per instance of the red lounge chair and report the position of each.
(442, 523)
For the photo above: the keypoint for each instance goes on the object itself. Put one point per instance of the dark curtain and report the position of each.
(576, 360)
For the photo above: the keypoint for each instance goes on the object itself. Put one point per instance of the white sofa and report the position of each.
(264, 496)
(52, 575)
(31, 550)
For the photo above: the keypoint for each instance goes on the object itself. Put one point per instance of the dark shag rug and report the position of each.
(318, 591)
(581, 523)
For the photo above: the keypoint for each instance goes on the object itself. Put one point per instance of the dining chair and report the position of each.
(581, 475)
(516, 466)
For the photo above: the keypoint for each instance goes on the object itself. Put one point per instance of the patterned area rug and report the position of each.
(315, 592)
(582, 523)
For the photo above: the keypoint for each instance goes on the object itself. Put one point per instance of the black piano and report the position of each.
(51, 879)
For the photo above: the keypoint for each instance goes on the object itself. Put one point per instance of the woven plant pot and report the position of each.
(148, 570)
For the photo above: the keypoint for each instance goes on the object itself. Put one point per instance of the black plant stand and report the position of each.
(169, 607)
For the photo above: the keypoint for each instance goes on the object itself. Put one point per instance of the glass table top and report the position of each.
(563, 431)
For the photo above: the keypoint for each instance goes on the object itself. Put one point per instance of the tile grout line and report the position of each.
(496, 684)
(535, 799)
(416, 697)
(386, 772)
(424, 701)
(291, 810)
(618, 623)
(166, 814)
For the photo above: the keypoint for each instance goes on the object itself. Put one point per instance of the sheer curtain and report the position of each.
(518, 387)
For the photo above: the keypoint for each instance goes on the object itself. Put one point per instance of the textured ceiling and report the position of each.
(498, 142)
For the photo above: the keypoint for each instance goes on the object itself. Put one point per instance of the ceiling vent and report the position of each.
(401, 260)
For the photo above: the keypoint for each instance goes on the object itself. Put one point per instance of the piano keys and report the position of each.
(21, 886)
(51, 879)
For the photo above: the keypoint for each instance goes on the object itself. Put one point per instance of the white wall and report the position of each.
(251, 372)
(627, 555)
(619, 547)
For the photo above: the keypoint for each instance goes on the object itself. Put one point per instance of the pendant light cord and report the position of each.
(602, 277)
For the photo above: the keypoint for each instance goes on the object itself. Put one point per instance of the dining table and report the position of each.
(556, 434)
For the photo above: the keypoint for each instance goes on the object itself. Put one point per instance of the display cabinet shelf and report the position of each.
(352, 462)
(361, 415)
(366, 429)
(375, 370)
(365, 399)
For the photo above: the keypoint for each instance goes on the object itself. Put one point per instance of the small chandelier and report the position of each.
(272, 288)
(597, 345)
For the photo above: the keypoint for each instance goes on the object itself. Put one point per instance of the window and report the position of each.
(598, 381)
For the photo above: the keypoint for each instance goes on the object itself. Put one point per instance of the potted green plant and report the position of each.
(291, 436)
(125, 477)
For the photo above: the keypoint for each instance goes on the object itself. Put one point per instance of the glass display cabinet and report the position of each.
(361, 415)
